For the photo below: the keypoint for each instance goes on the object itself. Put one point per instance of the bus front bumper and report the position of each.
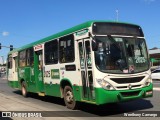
(105, 96)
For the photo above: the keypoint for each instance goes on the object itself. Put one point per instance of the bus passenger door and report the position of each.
(38, 66)
(86, 69)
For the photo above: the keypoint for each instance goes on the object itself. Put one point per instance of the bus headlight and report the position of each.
(105, 84)
(148, 81)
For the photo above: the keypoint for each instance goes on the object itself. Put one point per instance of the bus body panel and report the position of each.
(104, 96)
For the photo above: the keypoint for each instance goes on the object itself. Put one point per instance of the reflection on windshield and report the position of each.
(121, 55)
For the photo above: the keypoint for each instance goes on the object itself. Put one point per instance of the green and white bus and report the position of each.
(96, 62)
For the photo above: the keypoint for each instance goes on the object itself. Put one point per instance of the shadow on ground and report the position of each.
(90, 110)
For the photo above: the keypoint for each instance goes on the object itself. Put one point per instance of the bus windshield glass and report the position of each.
(121, 54)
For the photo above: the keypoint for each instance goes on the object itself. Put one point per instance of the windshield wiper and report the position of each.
(113, 41)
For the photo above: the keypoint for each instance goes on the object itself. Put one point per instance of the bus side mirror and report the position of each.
(8, 65)
(94, 45)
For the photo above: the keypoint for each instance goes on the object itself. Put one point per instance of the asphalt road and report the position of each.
(12, 100)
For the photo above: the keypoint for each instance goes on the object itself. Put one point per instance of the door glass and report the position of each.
(91, 88)
(40, 65)
(40, 61)
(88, 54)
(86, 70)
(84, 84)
(81, 55)
(89, 66)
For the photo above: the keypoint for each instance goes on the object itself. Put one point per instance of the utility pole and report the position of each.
(117, 15)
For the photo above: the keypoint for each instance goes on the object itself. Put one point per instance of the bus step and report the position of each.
(41, 94)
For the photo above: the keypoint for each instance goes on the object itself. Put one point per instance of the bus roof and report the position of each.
(63, 33)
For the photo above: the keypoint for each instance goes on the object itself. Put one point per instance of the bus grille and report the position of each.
(124, 87)
(127, 80)
(129, 94)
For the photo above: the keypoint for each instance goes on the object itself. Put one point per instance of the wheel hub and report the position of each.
(69, 97)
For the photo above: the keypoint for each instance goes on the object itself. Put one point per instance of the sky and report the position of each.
(26, 21)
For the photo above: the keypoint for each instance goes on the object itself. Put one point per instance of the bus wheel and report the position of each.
(24, 90)
(69, 98)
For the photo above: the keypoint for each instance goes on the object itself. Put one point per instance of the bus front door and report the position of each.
(39, 70)
(86, 70)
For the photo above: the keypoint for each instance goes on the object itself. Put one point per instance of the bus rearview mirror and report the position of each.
(94, 45)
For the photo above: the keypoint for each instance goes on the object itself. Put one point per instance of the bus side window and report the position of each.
(10, 62)
(29, 57)
(66, 49)
(16, 64)
(51, 52)
(22, 58)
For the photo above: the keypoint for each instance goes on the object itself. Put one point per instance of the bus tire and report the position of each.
(69, 98)
(23, 89)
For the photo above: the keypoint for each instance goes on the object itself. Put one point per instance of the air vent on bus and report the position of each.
(129, 94)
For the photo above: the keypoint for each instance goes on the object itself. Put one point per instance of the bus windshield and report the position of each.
(121, 54)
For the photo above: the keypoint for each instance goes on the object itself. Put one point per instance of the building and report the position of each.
(154, 57)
